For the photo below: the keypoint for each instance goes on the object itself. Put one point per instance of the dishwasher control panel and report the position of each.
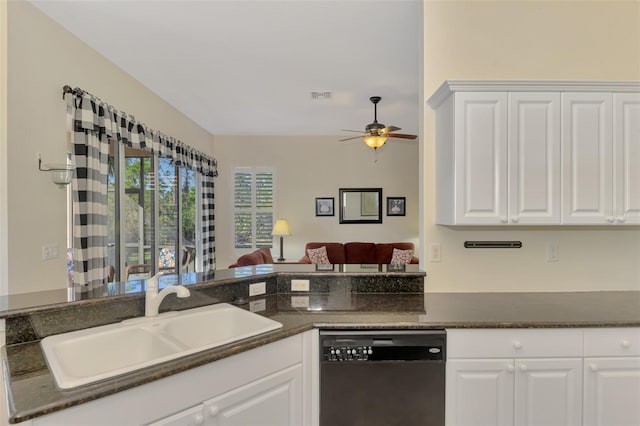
(347, 353)
(385, 346)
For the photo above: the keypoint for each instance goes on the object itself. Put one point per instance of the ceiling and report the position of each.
(240, 67)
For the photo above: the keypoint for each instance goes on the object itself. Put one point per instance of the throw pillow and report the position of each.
(401, 257)
(318, 256)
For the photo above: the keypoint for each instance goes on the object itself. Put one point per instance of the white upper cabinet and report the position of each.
(534, 158)
(626, 157)
(588, 158)
(537, 153)
(481, 136)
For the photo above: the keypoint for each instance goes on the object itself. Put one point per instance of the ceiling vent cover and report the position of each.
(320, 95)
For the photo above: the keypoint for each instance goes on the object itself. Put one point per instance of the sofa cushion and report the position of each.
(335, 251)
(401, 257)
(384, 251)
(360, 253)
(266, 254)
(253, 258)
(318, 256)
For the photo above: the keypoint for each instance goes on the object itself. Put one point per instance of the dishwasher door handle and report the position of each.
(382, 342)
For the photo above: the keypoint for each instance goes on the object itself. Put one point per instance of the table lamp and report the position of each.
(281, 228)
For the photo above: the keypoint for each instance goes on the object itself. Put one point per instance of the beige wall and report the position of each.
(309, 167)
(42, 57)
(572, 40)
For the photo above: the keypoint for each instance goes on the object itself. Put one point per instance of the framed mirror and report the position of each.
(360, 205)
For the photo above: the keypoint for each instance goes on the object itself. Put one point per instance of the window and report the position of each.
(253, 208)
(151, 213)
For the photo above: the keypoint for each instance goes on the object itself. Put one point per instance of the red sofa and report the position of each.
(258, 257)
(364, 253)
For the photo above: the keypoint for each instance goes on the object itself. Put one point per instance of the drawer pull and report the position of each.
(523, 367)
(625, 344)
(517, 344)
(510, 368)
(214, 411)
(198, 419)
(593, 367)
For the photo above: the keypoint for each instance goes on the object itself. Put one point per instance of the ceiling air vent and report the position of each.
(320, 95)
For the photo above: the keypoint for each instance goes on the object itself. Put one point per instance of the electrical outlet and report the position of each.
(299, 285)
(299, 301)
(435, 252)
(552, 252)
(257, 289)
(50, 251)
(258, 305)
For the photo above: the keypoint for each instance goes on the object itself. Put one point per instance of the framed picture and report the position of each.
(324, 207)
(396, 206)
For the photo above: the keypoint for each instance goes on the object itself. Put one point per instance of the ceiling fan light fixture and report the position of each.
(373, 141)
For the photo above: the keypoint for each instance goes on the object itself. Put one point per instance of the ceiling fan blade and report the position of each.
(392, 129)
(401, 136)
(357, 131)
(348, 139)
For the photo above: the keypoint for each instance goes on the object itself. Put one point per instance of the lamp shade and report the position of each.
(374, 141)
(281, 228)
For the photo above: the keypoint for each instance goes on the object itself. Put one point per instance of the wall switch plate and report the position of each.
(257, 289)
(299, 285)
(435, 252)
(552, 252)
(50, 251)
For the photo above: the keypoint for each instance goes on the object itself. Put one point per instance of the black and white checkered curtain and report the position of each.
(94, 123)
(208, 225)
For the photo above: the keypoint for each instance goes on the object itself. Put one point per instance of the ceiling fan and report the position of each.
(375, 134)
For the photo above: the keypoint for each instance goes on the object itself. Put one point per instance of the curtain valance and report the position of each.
(95, 115)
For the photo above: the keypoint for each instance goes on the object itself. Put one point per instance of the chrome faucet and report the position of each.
(153, 299)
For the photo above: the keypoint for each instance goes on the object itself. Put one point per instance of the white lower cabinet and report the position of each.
(543, 377)
(275, 400)
(274, 384)
(479, 392)
(612, 377)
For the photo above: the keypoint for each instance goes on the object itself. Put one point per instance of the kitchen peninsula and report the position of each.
(346, 297)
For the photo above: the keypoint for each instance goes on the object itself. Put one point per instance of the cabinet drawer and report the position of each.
(612, 342)
(513, 343)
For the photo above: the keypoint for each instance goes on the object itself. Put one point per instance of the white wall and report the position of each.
(43, 57)
(310, 167)
(572, 40)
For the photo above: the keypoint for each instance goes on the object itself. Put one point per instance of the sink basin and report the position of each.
(86, 356)
(215, 326)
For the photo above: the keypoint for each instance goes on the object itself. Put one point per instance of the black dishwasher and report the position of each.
(382, 377)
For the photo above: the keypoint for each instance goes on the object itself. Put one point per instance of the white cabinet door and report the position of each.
(275, 400)
(611, 391)
(189, 417)
(479, 392)
(626, 151)
(587, 152)
(480, 158)
(534, 158)
(548, 392)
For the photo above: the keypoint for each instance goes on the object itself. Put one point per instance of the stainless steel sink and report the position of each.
(86, 356)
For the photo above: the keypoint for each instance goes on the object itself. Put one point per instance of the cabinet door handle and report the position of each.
(625, 344)
(503, 219)
(198, 420)
(214, 411)
(510, 368)
(523, 367)
(621, 219)
(611, 219)
(517, 344)
(515, 220)
(593, 367)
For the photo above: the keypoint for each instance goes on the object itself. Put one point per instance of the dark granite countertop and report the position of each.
(32, 391)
